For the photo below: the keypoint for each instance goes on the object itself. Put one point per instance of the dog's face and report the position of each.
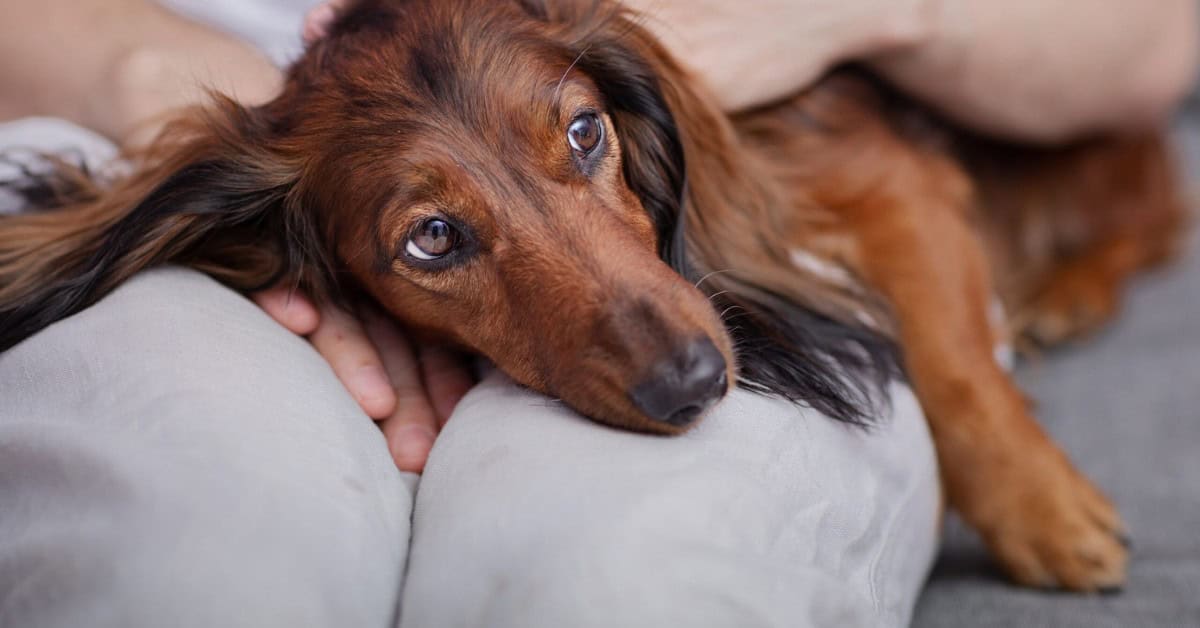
(490, 184)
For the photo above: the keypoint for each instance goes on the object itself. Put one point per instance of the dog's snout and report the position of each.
(680, 388)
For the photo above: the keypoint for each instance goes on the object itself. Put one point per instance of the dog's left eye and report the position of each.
(433, 239)
(585, 134)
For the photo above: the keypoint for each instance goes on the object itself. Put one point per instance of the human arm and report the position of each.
(120, 67)
(1025, 69)
(112, 65)
(1050, 71)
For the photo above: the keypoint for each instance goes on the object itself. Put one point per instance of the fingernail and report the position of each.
(318, 23)
(372, 388)
(410, 447)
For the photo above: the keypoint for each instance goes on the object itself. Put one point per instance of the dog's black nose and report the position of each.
(682, 387)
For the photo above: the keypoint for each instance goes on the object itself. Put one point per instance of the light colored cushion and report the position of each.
(765, 515)
(171, 457)
(23, 141)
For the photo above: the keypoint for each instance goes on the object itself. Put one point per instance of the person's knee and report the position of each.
(182, 460)
(553, 514)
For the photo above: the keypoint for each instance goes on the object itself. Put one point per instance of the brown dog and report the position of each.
(537, 181)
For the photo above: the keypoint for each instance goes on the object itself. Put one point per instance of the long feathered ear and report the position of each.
(210, 193)
(796, 337)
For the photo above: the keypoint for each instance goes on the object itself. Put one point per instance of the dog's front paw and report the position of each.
(1057, 530)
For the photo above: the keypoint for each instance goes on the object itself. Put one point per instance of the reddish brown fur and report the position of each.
(922, 227)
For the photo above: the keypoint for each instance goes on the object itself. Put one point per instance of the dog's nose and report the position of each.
(683, 386)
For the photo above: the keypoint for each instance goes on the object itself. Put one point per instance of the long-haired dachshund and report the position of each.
(540, 183)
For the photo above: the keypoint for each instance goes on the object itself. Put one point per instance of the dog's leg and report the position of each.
(902, 224)
(1041, 518)
(1077, 223)
(1081, 294)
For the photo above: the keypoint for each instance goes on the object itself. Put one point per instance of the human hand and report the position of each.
(320, 18)
(410, 389)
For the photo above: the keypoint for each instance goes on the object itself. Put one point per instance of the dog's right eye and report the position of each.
(585, 134)
(432, 240)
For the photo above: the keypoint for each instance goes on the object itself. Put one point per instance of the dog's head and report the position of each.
(508, 175)
(503, 174)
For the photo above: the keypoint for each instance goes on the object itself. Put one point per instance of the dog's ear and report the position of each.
(210, 193)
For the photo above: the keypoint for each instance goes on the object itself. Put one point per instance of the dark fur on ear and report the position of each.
(677, 148)
(796, 353)
(654, 161)
(213, 197)
(367, 15)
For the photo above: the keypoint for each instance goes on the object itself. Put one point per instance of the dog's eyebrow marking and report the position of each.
(563, 79)
(385, 249)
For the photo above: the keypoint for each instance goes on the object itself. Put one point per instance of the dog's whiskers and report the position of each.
(563, 79)
(729, 309)
(712, 274)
